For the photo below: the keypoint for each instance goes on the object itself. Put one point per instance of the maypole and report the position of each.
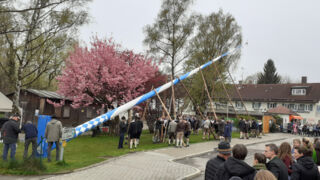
(111, 114)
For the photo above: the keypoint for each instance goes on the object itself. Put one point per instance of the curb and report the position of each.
(198, 171)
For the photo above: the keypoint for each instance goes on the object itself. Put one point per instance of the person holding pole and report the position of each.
(187, 132)
(53, 134)
(31, 134)
(171, 131)
(206, 128)
(181, 126)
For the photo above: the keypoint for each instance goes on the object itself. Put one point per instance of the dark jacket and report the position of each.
(139, 126)
(305, 169)
(242, 125)
(254, 125)
(133, 129)
(227, 130)
(235, 167)
(30, 130)
(10, 131)
(122, 127)
(212, 167)
(278, 168)
(221, 125)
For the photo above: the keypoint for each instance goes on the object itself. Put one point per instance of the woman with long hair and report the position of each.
(285, 155)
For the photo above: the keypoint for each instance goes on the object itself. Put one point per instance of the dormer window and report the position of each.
(299, 92)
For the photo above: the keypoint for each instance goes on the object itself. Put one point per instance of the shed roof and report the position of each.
(46, 94)
(5, 103)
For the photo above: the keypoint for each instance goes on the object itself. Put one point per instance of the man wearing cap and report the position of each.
(10, 131)
(213, 164)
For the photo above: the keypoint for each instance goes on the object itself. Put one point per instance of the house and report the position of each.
(302, 98)
(34, 102)
(5, 105)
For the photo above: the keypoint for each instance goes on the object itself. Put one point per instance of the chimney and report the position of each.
(304, 80)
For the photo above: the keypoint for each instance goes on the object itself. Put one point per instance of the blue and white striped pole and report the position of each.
(111, 114)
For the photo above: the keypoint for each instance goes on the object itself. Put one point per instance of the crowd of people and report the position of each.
(177, 131)
(307, 129)
(298, 162)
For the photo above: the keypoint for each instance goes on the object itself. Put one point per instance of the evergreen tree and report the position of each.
(269, 76)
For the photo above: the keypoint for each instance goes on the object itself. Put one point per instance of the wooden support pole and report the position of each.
(164, 107)
(224, 87)
(193, 101)
(211, 102)
(238, 93)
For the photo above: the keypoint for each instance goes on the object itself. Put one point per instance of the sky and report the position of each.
(286, 31)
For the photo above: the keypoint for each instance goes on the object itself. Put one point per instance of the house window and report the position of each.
(272, 105)
(291, 106)
(66, 111)
(298, 92)
(295, 107)
(308, 107)
(318, 108)
(256, 105)
(239, 105)
(301, 107)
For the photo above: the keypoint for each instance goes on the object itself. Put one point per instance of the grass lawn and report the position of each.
(84, 151)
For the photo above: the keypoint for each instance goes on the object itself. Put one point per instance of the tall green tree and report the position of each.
(168, 37)
(217, 33)
(38, 34)
(269, 75)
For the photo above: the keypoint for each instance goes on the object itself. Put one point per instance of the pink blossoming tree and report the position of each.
(105, 75)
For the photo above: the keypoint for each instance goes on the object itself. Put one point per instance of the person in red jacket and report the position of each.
(285, 156)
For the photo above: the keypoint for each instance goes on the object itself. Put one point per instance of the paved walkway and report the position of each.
(156, 164)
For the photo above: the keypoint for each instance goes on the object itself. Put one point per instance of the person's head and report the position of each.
(271, 151)
(302, 151)
(123, 118)
(307, 143)
(239, 151)
(284, 150)
(296, 143)
(15, 117)
(224, 150)
(259, 158)
(264, 175)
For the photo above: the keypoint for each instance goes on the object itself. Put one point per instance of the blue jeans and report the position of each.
(6, 148)
(121, 141)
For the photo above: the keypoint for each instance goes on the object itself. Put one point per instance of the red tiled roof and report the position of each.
(276, 92)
